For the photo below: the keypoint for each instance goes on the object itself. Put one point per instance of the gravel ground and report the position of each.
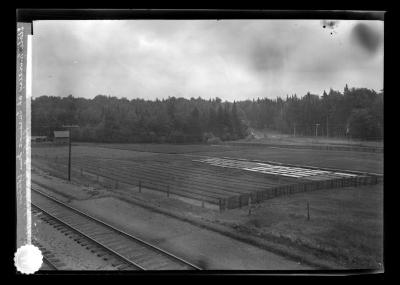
(208, 249)
(66, 250)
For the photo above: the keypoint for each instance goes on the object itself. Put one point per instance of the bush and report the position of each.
(176, 137)
(214, 140)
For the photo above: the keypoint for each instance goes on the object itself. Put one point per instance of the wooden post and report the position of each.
(308, 211)
(220, 204)
(69, 155)
(140, 186)
(81, 172)
(249, 205)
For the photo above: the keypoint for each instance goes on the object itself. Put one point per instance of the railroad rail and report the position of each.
(132, 250)
(116, 261)
(48, 262)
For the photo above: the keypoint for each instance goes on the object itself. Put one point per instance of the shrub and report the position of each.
(214, 140)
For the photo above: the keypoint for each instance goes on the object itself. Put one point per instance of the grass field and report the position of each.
(346, 225)
(269, 136)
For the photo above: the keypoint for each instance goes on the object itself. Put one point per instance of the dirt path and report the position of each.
(208, 249)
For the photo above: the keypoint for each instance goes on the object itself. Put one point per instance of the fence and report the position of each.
(259, 196)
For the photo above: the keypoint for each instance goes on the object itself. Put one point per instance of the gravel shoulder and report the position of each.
(69, 253)
(206, 248)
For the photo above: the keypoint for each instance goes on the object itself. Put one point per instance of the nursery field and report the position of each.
(197, 173)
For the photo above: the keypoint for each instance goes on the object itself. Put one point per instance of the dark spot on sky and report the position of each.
(366, 37)
(331, 24)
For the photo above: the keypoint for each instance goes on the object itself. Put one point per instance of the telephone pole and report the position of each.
(69, 148)
(327, 126)
(316, 130)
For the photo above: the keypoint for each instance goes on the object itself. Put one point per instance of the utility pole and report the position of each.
(69, 155)
(327, 126)
(316, 130)
(69, 148)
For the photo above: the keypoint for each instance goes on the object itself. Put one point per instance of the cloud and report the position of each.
(231, 59)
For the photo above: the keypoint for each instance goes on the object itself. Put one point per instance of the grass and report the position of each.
(165, 148)
(345, 224)
(270, 136)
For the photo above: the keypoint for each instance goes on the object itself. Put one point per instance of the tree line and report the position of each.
(355, 112)
(110, 119)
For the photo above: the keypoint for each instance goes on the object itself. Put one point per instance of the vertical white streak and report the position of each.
(28, 137)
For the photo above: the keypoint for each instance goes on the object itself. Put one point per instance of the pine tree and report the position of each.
(194, 123)
(212, 120)
(236, 124)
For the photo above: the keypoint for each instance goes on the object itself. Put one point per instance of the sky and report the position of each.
(229, 59)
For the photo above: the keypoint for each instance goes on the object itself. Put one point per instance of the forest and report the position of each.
(354, 113)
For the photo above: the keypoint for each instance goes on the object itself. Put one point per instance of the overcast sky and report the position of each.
(230, 59)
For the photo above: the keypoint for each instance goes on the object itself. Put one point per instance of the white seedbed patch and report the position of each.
(294, 172)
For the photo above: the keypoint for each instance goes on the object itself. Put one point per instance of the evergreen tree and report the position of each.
(106, 118)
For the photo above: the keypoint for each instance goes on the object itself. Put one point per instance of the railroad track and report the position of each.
(48, 265)
(131, 251)
(49, 262)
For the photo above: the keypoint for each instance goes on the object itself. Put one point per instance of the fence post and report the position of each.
(249, 205)
(308, 211)
(140, 186)
(220, 204)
